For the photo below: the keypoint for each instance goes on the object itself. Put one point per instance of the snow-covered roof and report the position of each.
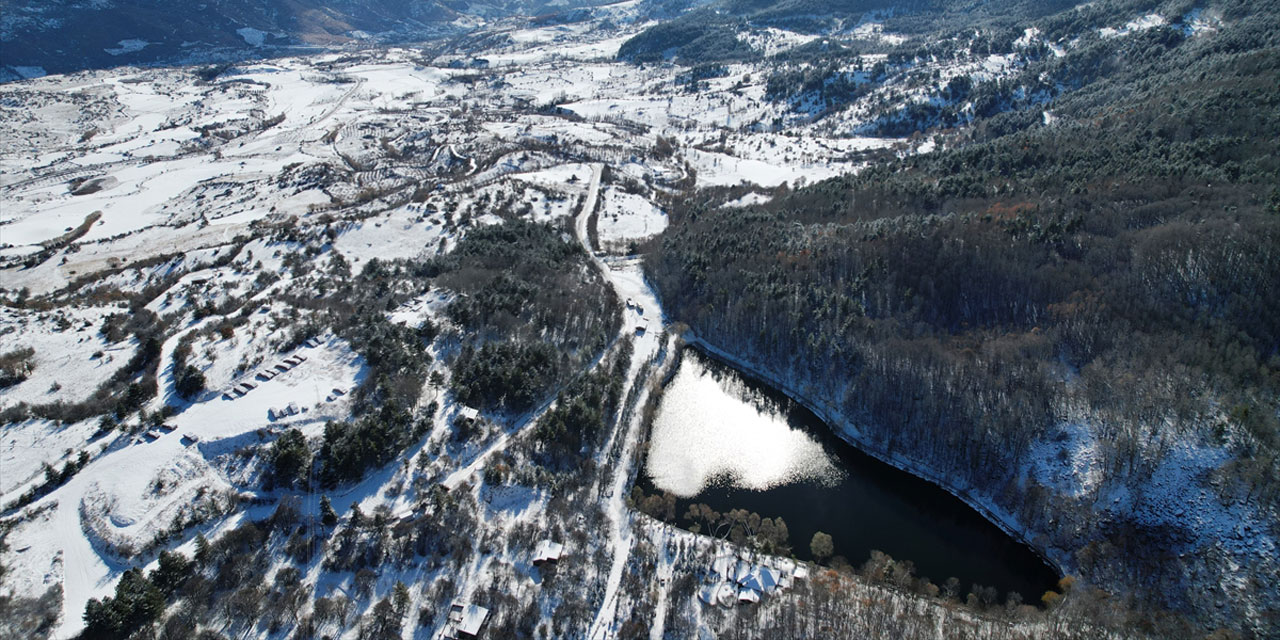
(762, 579)
(723, 566)
(470, 413)
(748, 595)
(473, 618)
(547, 550)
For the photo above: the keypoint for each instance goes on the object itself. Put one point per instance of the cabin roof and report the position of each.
(473, 618)
(548, 550)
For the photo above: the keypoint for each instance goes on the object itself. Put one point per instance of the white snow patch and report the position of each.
(71, 360)
(128, 46)
(750, 200)
(1149, 21)
(1067, 460)
(1028, 37)
(25, 447)
(875, 31)
(627, 216)
(1197, 22)
(252, 36)
(772, 41)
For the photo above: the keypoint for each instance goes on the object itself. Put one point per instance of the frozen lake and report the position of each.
(732, 442)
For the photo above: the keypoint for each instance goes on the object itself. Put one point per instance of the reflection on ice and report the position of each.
(712, 429)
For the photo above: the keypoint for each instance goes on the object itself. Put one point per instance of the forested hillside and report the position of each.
(1098, 285)
(711, 33)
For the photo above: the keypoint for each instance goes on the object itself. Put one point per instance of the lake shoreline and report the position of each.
(848, 433)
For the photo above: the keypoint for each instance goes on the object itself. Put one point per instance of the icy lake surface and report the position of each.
(713, 429)
(732, 442)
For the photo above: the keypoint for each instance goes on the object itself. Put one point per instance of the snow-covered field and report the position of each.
(628, 216)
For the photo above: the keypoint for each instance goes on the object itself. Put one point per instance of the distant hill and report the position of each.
(57, 36)
(710, 33)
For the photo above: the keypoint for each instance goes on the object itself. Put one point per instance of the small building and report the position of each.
(473, 619)
(640, 329)
(339, 392)
(547, 551)
(470, 413)
(467, 620)
(748, 596)
(292, 409)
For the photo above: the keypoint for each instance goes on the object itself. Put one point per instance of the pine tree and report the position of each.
(202, 549)
(401, 598)
(328, 517)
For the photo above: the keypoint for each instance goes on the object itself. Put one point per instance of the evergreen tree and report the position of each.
(328, 517)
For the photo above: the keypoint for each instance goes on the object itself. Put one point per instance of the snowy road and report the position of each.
(628, 281)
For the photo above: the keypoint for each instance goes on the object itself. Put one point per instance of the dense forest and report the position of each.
(1115, 268)
(709, 34)
(533, 310)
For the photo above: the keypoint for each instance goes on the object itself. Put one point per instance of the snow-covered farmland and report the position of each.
(628, 216)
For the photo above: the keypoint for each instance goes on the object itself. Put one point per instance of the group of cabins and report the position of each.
(292, 408)
(267, 373)
(239, 390)
(289, 410)
(283, 366)
(735, 581)
(155, 432)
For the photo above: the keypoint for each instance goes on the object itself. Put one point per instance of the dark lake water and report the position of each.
(718, 432)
